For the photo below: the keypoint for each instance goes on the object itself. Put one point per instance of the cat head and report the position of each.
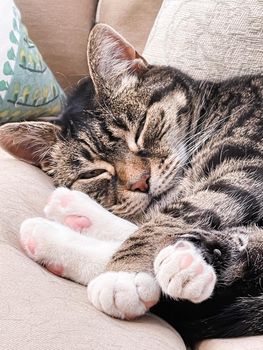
(122, 137)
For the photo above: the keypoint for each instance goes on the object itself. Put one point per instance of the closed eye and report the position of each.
(92, 173)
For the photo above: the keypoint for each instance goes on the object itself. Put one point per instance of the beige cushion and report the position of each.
(39, 310)
(207, 38)
(133, 19)
(60, 29)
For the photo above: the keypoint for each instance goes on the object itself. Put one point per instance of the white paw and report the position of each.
(81, 213)
(39, 239)
(124, 295)
(183, 273)
(66, 207)
(63, 251)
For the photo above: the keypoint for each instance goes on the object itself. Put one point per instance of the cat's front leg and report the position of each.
(65, 252)
(80, 212)
(68, 243)
(162, 254)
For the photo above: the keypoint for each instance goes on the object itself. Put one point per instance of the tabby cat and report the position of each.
(176, 167)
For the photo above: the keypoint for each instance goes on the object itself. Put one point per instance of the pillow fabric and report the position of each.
(209, 39)
(28, 89)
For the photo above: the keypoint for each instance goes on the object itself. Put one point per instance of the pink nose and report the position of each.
(142, 184)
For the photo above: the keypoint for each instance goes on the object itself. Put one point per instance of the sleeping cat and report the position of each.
(176, 167)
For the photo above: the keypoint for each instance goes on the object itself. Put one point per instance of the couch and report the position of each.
(39, 310)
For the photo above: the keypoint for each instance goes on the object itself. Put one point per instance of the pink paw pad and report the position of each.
(186, 261)
(30, 246)
(77, 223)
(55, 269)
(199, 269)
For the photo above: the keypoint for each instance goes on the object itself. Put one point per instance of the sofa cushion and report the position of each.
(209, 39)
(61, 30)
(39, 310)
(133, 19)
(28, 89)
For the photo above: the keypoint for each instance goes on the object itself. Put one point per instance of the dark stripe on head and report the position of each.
(120, 123)
(160, 93)
(106, 131)
(85, 153)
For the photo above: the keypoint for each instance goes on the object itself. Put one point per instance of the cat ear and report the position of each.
(113, 62)
(29, 141)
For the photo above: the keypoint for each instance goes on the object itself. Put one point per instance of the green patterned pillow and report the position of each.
(28, 89)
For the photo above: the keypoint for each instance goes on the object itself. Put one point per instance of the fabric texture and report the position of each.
(60, 29)
(28, 89)
(133, 19)
(39, 310)
(209, 39)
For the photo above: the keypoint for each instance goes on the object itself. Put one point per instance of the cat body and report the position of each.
(180, 163)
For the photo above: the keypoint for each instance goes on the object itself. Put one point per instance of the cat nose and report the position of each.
(142, 184)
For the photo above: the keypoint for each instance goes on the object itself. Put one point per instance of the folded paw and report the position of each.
(81, 213)
(124, 295)
(66, 207)
(183, 273)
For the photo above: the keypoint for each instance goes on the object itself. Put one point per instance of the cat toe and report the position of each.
(124, 295)
(57, 203)
(28, 240)
(56, 269)
(77, 223)
(183, 273)
(37, 241)
(63, 206)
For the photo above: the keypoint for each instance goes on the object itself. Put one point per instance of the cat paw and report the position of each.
(183, 273)
(81, 213)
(124, 295)
(64, 206)
(39, 241)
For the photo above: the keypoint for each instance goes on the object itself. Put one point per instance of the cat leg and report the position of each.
(183, 273)
(61, 248)
(235, 308)
(185, 262)
(130, 288)
(78, 211)
(195, 219)
(64, 251)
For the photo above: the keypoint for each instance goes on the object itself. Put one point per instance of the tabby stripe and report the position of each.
(120, 124)
(192, 214)
(86, 154)
(241, 121)
(254, 172)
(105, 130)
(128, 254)
(227, 152)
(160, 93)
(94, 140)
(87, 144)
(248, 202)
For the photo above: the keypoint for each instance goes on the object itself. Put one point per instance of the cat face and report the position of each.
(122, 136)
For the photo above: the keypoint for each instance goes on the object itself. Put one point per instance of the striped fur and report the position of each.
(202, 144)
